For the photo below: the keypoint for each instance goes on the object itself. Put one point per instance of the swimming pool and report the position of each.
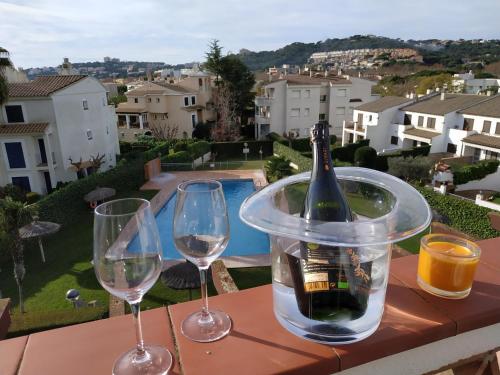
(243, 239)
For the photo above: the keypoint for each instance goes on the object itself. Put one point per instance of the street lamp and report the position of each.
(246, 150)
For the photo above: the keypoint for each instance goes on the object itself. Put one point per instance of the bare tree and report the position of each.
(78, 167)
(97, 161)
(226, 127)
(162, 129)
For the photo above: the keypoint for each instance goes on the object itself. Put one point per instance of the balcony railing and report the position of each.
(354, 125)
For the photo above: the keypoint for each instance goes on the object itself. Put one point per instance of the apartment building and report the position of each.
(468, 84)
(161, 104)
(460, 124)
(293, 103)
(47, 122)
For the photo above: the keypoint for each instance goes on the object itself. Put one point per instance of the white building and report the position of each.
(460, 124)
(293, 103)
(46, 122)
(467, 84)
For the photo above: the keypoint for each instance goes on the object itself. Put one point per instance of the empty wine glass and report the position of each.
(127, 263)
(201, 233)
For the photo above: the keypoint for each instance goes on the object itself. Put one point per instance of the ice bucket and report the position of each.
(386, 210)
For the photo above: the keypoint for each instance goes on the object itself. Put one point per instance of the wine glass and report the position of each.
(201, 233)
(127, 263)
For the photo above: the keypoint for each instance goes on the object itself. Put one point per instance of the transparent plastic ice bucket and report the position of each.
(386, 209)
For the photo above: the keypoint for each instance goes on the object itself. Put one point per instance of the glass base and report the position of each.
(156, 360)
(442, 293)
(197, 328)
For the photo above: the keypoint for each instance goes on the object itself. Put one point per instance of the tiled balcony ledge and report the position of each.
(417, 332)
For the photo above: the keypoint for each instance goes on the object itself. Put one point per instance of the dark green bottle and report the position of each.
(330, 283)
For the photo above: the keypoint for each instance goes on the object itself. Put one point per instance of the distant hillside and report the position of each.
(448, 53)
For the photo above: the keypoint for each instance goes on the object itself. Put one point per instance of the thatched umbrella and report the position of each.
(38, 229)
(184, 275)
(99, 194)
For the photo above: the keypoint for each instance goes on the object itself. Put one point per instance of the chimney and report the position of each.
(300, 71)
(310, 73)
(488, 93)
(412, 95)
(326, 73)
(428, 91)
(438, 89)
(442, 96)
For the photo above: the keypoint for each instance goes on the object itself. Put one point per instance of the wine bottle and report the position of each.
(330, 283)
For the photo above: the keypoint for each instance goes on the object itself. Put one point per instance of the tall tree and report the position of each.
(13, 215)
(214, 56)
(4, 63)
(240, 81)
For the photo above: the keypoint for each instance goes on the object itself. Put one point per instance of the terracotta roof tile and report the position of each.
(130, 108)
(483, 140)
(30, 128)
(42, 86)
(382, 104)
(296, 79)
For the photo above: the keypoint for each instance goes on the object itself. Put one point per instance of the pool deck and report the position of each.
(167, 184)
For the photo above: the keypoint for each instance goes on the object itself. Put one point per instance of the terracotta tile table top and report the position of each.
(92, 348)
(11, 352)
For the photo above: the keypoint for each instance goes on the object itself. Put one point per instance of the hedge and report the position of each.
(275, 137)
(235, 149)
(301, 144)
(475, 171)
(346, 153)
(303, 163)
(198, 149)
(161, 148)
(464, 215)
(65, 205)
(177, 157)
(365, 156)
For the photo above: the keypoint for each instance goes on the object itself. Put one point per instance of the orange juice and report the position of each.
(447, 265)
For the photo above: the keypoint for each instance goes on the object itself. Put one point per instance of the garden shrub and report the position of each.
(464, 215)
(303, 163)
(411, 169)
(32, 197)
(346, 153)
(278, 138)
(65, 204)
(333, 139)
(198, 149)
(177, 157)
(180, 146)
(13, 191)
(365, 156)
(474, 171)
(125, 147)
(301, 144)
(235, 149)
(277, 167)
(160, 148)
(381, 163)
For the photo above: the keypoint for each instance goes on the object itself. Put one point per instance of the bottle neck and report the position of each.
(322, 159)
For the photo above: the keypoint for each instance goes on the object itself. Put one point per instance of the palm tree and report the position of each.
(277, 167)
(13, 215)
(4, 62)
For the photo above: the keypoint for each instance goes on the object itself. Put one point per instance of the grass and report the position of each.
(496, 200)
(235, 163)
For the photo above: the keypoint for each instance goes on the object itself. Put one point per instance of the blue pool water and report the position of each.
(243, 240)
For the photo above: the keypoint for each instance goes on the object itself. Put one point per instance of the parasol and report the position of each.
(184, 275)
(38, 229)
(99, 194)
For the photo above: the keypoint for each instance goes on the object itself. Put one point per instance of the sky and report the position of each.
(41, 32)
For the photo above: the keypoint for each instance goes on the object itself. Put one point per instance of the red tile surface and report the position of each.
(408, 322)
(257, 344)
(481, 308)
(92, 348)
(11, 352)
(490, 252)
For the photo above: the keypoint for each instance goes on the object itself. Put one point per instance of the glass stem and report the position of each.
(136, 311)
(205, 316)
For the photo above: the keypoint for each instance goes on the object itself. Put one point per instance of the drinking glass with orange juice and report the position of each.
(446, 265)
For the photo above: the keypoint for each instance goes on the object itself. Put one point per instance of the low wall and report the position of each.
(490, 182)
(487, 204)
(202, 159)
(152, 169)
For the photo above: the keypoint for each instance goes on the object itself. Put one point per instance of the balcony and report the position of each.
(263, 100)
(354, 125)
(419, 333)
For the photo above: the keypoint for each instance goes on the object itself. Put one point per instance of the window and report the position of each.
(295, 112)
(186, 101)
(149, 100)
(491, 155)
(497, 129)
(468, 124)
(355, 100)
(200, 82)
(307, 93)
(431, 122)
(340, 110)
(477, 154)
(89, 134)
(193, 120)
(370, 117)
(296, 94)
(85, 104)
(342, 92)
(421, 121)
(15, 155)
(322, 116)
(136, 100)
(322, 98)
(157, 100)
(22, 182)
(407, 120)
(193, 100)
(452, 148)
(306, 112)
(14, 113)
(394, 140)
(486, 126)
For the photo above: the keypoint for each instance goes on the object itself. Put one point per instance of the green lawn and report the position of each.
(496, 200)
(235, 163)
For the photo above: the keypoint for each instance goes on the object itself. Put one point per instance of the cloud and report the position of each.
(42, 32)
